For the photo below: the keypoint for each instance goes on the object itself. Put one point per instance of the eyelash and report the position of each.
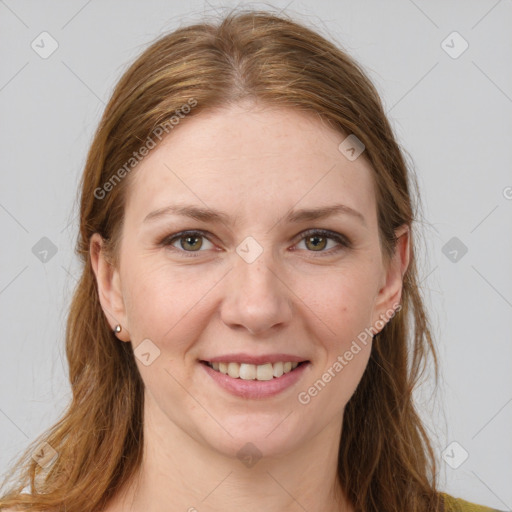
(325, 233)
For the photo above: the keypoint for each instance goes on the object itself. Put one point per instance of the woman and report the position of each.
(239, 336)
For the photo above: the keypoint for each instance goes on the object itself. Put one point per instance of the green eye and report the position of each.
(316, 240)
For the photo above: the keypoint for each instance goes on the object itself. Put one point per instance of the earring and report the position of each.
(118, 328)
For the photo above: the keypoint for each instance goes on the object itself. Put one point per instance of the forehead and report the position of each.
(251, 161)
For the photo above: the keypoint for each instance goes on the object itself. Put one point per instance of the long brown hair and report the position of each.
(386, 461)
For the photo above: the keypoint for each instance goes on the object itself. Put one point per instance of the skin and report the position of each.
(255, 164)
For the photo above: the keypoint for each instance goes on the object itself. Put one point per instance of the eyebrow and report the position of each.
(216, 216)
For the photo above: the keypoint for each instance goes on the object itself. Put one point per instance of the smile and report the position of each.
(246, 371)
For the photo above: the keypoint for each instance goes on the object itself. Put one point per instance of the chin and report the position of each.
(257, 437)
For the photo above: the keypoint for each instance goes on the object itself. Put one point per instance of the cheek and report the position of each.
(345, 308)
(344, 303)
(163, 301)
(343, 300)
(169, 302)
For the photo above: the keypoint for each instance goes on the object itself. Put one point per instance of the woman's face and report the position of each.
(253, 283)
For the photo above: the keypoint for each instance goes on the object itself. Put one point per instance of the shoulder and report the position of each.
(452, 504)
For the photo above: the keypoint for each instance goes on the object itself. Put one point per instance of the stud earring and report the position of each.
(118, 328)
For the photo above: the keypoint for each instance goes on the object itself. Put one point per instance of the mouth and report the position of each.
(259, 372)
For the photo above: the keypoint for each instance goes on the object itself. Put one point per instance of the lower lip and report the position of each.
(256, 388)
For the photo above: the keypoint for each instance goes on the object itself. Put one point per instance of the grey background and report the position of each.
(452, 115)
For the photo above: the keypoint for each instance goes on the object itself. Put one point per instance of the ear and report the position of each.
(389, 296)
(109, 287)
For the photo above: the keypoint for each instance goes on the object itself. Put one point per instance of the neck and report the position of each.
(179, 472)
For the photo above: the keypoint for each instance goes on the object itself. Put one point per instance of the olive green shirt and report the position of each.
(452, 504)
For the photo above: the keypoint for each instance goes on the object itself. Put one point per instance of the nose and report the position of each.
(257, 298)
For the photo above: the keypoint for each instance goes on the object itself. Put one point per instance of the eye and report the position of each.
(189, 241)
(315, 240)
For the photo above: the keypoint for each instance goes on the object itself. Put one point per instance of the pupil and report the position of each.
(317, 244)
(188, 238)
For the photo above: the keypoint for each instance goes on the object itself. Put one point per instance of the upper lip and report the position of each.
(256, 360)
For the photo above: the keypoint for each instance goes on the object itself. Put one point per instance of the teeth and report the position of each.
(264, 372)
(278, 369)
(234, 370)
(246, 371)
